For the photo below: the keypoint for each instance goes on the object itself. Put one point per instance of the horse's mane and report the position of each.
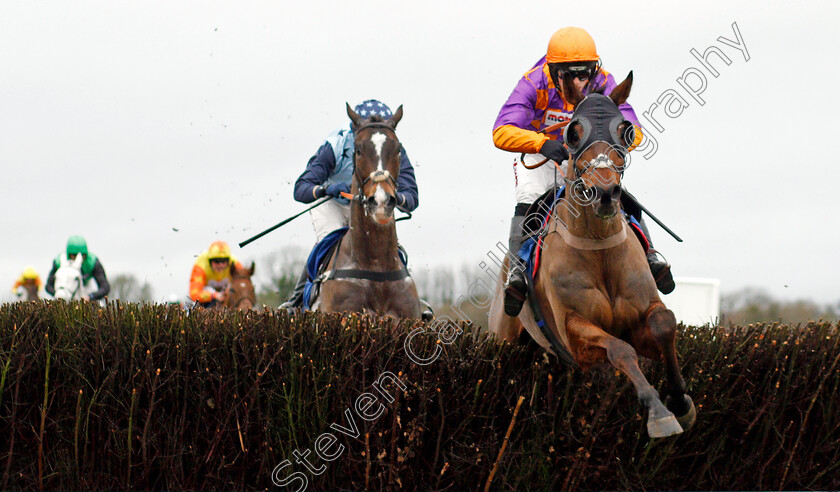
(376, 119)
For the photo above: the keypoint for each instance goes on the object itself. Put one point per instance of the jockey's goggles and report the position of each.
(219, 260)
(578, 70)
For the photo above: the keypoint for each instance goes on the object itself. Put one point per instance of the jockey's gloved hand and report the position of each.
(334, 190)
(555, 151)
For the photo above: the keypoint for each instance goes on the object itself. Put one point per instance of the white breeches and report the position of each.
(533, 183)
(328, 217)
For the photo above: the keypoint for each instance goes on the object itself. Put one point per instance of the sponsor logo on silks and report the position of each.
(553, 116)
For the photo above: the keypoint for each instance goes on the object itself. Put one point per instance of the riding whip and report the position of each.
(293, 217)
(646, 211)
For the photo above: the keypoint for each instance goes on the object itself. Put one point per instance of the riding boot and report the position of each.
(426, 313)
(296, 298)
(659, 268)
(516, 288)
(403, 254)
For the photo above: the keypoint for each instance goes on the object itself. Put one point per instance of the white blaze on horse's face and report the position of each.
(378, 140)
(380, 201)
(380, 196)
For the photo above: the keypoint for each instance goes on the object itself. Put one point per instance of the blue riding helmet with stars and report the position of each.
(372, 107)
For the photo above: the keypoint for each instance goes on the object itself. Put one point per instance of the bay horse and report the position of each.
(594, 290)
(240, 293)
(30, 290)
(366, 273)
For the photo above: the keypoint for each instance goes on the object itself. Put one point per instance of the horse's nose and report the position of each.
(392, 201)
(610, 194)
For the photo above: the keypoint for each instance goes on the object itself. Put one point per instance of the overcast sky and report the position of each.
(153, 128)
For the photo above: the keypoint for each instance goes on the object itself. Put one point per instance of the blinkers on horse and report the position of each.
(600, 127)
(593, 300)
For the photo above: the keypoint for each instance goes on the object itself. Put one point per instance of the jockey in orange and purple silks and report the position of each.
(537, 103)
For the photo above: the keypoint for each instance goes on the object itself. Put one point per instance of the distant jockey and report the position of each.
(211, 274)
(28, 278)
(174, 300)
(536, 103)
(92, 269)
(330, 172)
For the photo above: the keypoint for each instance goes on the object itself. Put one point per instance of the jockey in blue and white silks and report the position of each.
(330, 172)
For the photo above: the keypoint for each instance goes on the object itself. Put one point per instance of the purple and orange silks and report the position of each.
(535, 104)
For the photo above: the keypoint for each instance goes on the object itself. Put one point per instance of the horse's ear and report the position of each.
(396, 117)
(252, 268)
(77, 263)
(354, 117)
(570, 92)
(620, 94)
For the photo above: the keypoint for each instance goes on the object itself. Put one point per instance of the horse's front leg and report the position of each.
(591, 345)
(661, 330)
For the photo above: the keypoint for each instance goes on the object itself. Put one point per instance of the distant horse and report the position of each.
(594, 289)
(240, 294)
(366, 273)
(30, 290)
(68, 281)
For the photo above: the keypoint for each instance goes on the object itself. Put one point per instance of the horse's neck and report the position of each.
(581, 221)
(372, 246)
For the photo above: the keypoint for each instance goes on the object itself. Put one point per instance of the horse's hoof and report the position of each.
(684, 411)
(664, 427)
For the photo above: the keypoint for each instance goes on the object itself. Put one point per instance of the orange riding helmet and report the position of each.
(571, 50)
(571, 44)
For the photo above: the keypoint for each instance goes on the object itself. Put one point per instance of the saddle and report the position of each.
(317, 262)
(319, 258)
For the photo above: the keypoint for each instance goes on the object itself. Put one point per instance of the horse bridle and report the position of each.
(243, 298)
(376, 176)
(74, 291)
(592, 131)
